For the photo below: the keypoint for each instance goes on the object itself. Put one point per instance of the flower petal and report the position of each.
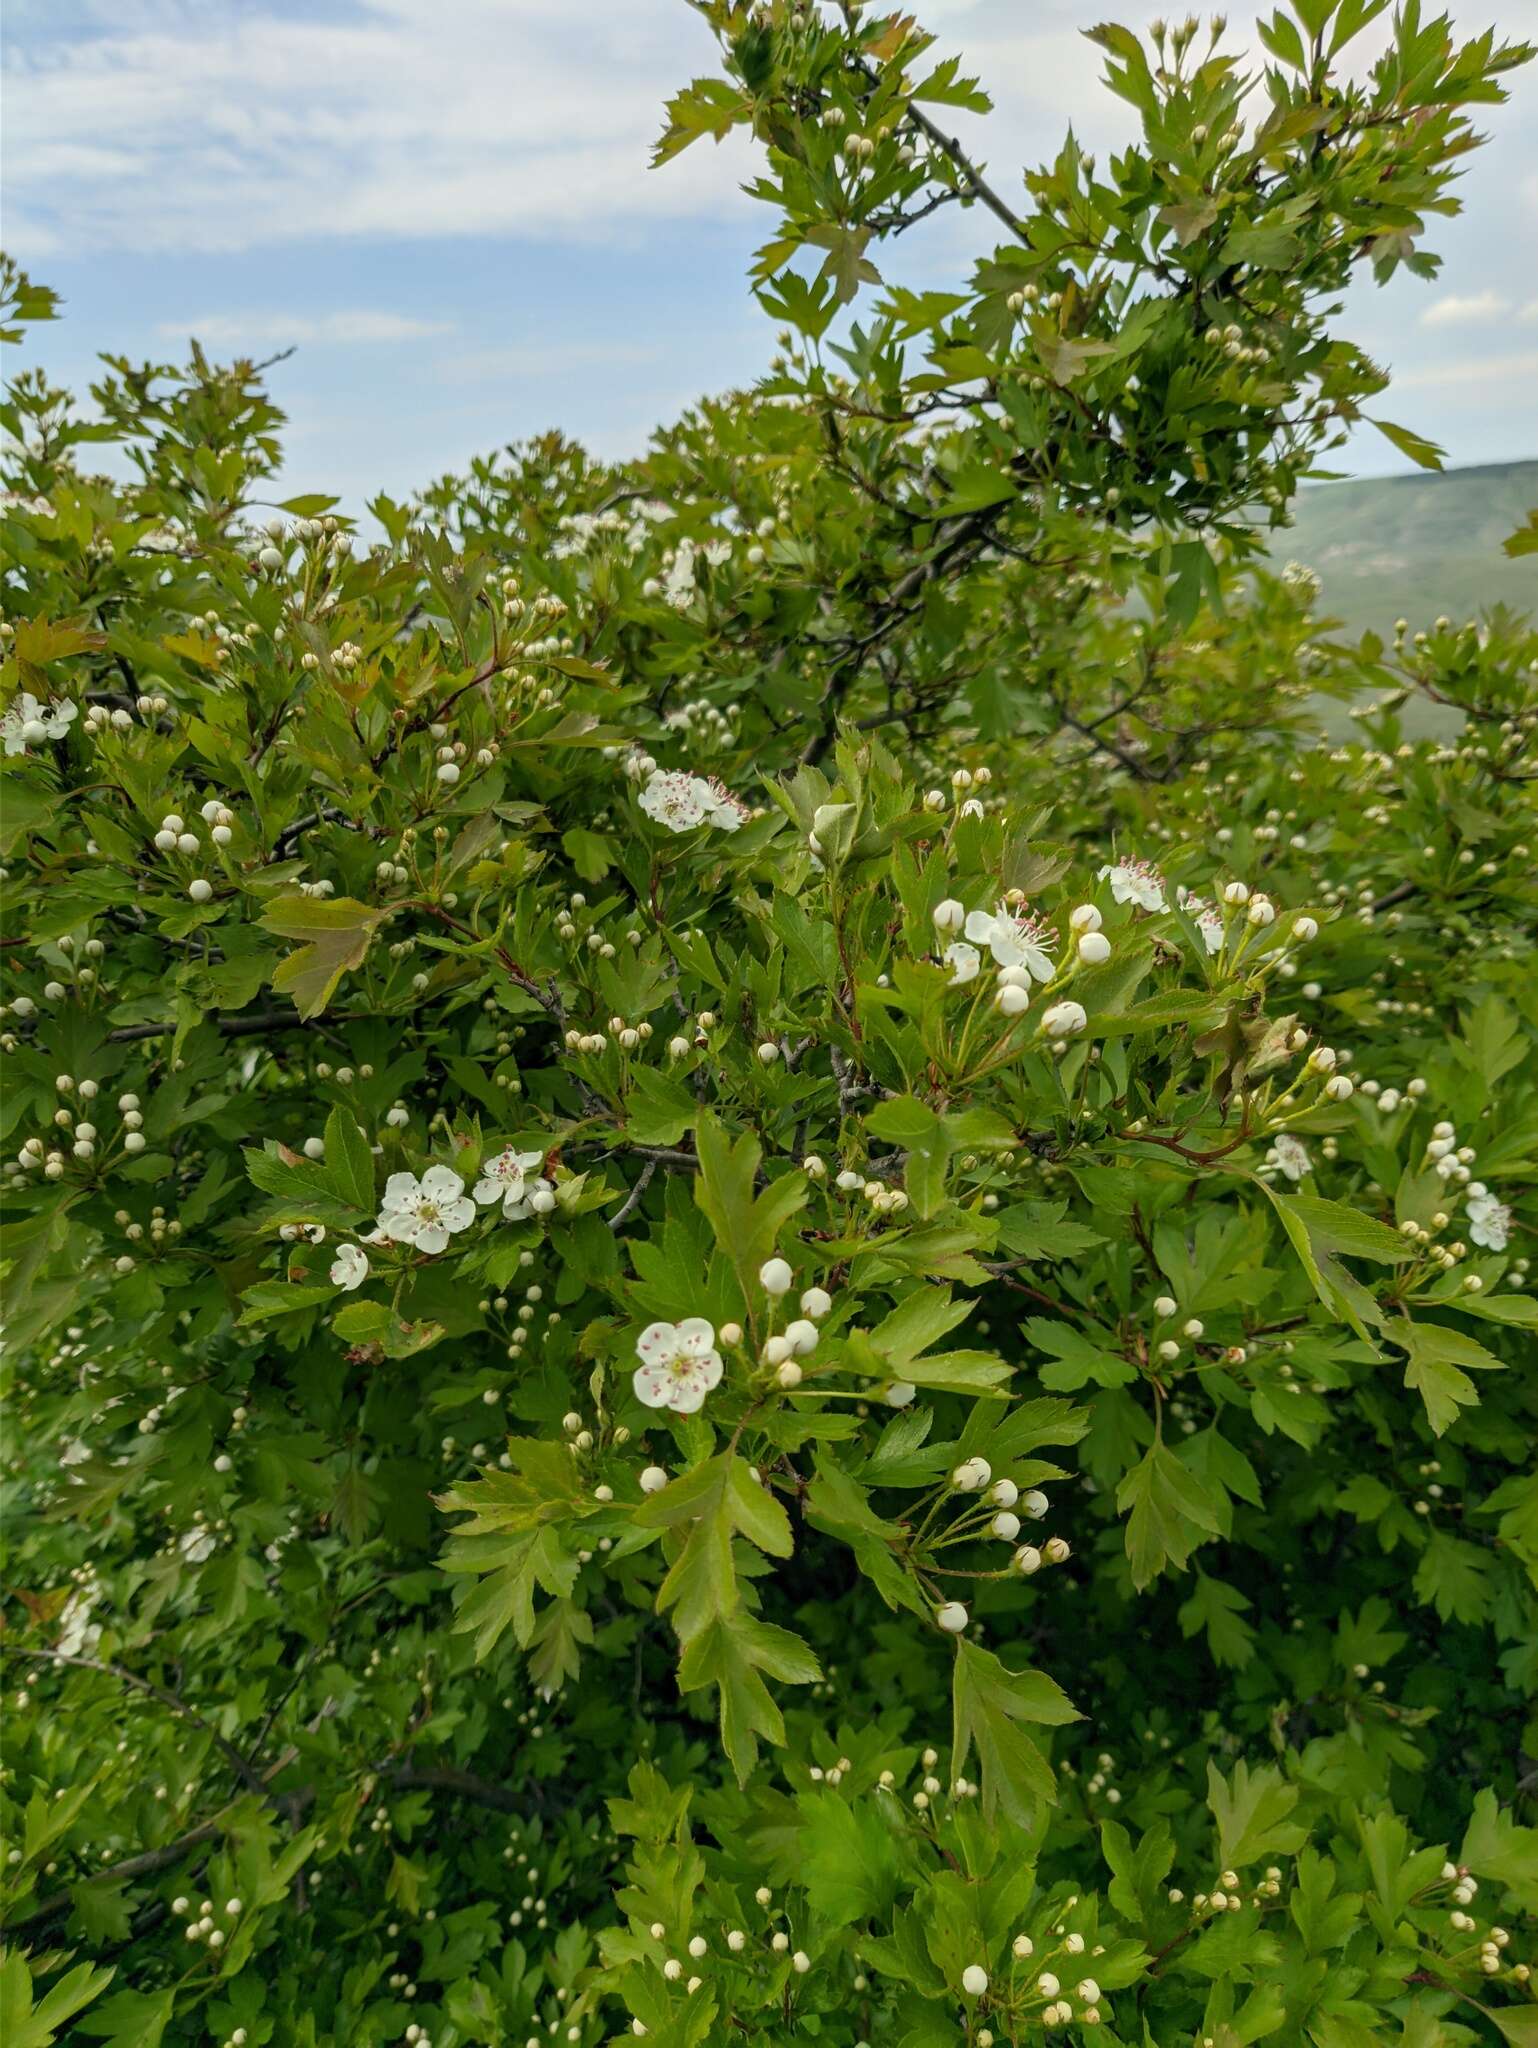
(658, 1341)
(653, 1387)
(695, 1337)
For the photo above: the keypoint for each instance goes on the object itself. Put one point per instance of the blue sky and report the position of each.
(445, 204)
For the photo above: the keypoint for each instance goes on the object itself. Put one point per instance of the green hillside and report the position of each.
(1415, 546)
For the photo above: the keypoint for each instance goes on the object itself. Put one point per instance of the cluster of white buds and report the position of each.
(99, 719)
(202, 1926)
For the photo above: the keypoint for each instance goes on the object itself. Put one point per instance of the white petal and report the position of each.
(398, 1190)
(695, 1336)
(442, 1184)
(979, 926)
(653, 1388)
(656, 1342)
(432, 1240)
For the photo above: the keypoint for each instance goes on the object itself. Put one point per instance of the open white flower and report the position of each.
(1135, 881)
(679, 1365)
(504, 1179)
(681, 801)
(1014, 940)
(349, 1269)
(963, 961)
(1207, 921)
(1291, 1155)
(675, 799)
(426, 1212)
(1489, 1222)
(29, 721)
(723, 810)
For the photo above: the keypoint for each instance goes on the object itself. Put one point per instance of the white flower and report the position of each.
(29, 722)
(679, 1365)
(963, 961)
(681, 801)
(1291, 1155)
(1489, 1222)
(674, 799)
(197, 1544)
(723, 810)
(1014, 941)
(775, 1276)
(1207, 921)
(426, 1212)
(1135, 881)
(974, 1980)
(503, 1180)
(78, 1634)
(949, 916)
(349, 1269)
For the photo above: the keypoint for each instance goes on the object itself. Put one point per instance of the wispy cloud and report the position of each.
(180, 125)
(1480, 373)
(280, 330)
(1465, 309)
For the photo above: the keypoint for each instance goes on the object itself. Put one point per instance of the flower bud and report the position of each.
(775, 1276)
(1064, 1020)
(952, 1617)
(950, 915)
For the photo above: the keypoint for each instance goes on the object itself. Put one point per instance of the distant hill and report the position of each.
(1416, 546)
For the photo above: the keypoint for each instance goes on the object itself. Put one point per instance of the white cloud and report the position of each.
(280, 330)
(183, 125)
(1479, 374)
(1464, 309)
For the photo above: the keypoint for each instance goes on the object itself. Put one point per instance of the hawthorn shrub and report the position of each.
(765, 1252)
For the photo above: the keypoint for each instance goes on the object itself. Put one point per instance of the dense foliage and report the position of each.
(765, 1255)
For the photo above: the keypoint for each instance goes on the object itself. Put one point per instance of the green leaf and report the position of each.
(339, 933)
(1435, 1355)
(1077, 1360)
(23, 2025)
(1320, 1231)
(1216, 1607)
(1251, 1810)
(746, 1226)
(1170, 1514)
(731, 1653)
(349, 1161)
(1423, 453)
(990, 1703)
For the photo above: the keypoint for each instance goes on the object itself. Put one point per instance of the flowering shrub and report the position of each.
(765, 1255)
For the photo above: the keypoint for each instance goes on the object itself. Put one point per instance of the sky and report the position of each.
(444, 206)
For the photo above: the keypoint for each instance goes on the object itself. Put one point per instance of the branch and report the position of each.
(143, 1865)
(628, 1208)
(243, 1770)
(254, 1026)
